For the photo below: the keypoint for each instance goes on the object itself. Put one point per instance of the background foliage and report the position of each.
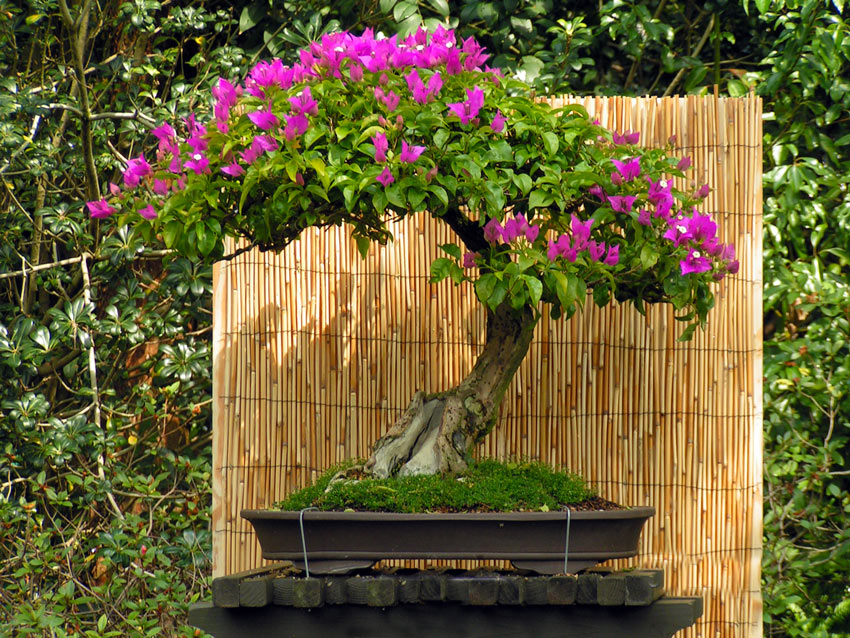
(104, 358)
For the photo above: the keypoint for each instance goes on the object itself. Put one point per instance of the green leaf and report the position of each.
(395, 196)
(601, 294)
(404, 10)
(251, 17)
(535, 288)
(688, 333)
(540, 199)
(648, 256)
(440, 6)
(451, 249)
(550, 143)
(494, 197)
(172, 232)
(523, 182)
(562, 290)
(441, 194)
(207, 239)
(363, 244)
(441, 268)
(485, 286)
(415, 198)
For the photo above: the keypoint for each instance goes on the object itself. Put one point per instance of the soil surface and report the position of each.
(593, 504)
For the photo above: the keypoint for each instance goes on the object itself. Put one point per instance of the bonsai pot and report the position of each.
(335, 542)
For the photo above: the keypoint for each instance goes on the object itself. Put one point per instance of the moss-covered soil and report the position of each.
(487, 486)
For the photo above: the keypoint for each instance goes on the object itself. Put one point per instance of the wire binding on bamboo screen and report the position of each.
(316, 351)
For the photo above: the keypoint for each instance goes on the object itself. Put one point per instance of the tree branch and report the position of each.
(694, 53)
(470, 232)
(78, 33)
(93, 382)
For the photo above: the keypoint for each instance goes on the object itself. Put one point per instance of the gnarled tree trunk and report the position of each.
(436, 433)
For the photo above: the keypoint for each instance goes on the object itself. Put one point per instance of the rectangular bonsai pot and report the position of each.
(521, 537)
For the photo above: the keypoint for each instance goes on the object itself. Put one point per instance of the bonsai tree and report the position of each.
(548, 207)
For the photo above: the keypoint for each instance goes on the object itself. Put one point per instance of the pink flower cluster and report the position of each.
(340, 55)
(513, 229)
(698, 233)
(569, 246)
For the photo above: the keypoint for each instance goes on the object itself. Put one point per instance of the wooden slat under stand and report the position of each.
(317, 351)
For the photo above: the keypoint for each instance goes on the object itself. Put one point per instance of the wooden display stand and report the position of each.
(278, 600)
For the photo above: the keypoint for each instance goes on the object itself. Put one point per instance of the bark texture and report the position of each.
(437, 432)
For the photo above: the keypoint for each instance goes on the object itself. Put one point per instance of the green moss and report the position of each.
(486, 486)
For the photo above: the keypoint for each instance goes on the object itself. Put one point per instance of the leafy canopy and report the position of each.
(367, 130)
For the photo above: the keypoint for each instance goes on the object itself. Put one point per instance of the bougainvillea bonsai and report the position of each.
(547, 206)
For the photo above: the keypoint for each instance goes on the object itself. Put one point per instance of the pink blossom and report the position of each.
(562, 248)
(644, 217)
(514, 228)
(266, 143)
(531, 233)
(629, 169)
(225, 93)
(628, 137)
(390, 100)
(596, 191)
(596, 249)
(580, 231)
(386, 177)
(296, 125)
(695, 262)
(684, 163)
(453, 65)
(234, 169)
(137, 168)
(701, 229)
(417, 87)
(198, 163)
(163, 132)
(613, 256)
(148, 212)
(469, 260)
(622, 203)
(498, 123)
(474, 54)
(677, 232)
(435, 84)
(100, 209)
(493, 231)
(265, 119)
(381, 146)
(160, 187)
(355, 72)
(410, 154)
(115, 190)
(468, 109)
(703, 192)
(304, 103)
(194, 127)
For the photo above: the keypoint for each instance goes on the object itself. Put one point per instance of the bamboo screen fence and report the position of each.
(316, 351)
